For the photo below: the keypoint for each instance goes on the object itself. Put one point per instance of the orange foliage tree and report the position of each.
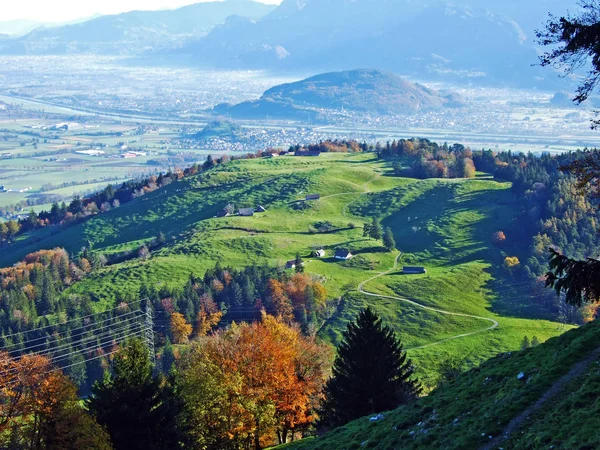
(39, 408)
(208, 317)
(278, 301)
(253, 383)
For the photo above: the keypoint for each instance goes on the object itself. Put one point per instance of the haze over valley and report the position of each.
(299, 224)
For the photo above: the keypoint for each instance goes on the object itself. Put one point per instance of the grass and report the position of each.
(445, 225)
(466, 412)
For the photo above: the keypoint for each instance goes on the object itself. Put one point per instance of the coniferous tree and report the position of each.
(130, 403)
(371, 373)
(376, 232)
(388, 240)
(299, 263)
(367, 230)
(525, 344)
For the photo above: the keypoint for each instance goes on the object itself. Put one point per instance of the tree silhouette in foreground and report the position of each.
(575, 43)
(371, 373)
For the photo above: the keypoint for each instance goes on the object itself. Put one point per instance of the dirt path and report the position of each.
(515, 424)
(494, 323)
(428, 308)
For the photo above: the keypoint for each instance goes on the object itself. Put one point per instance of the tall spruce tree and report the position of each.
(388, 240)
(371, 373)
(376, 232)
(131, 405)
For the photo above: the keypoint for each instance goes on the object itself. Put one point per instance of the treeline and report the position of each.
(80, 209)
(429, 159)
(248, 386)
(40, 199)
(552, 215)
(334, 146)
(36, 316)
(225, 295)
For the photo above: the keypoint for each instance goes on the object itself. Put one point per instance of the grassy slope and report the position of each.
(464, 413)
(453, 223)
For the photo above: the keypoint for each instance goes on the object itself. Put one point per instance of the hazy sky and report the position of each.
(65, 10)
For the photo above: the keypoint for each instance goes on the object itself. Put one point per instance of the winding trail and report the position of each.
(427, 308)
(360, 288)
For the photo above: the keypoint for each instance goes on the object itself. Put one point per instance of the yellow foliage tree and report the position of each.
(511, 261)
(180, 329)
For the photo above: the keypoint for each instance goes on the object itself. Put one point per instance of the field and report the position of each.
(450, 313)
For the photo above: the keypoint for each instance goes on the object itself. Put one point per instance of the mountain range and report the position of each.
(134, 32)
(473, 40)
(429, 39)
(363, 91)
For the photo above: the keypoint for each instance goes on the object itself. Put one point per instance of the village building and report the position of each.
(343, 254)
(310, 197)
(311, 153)
(292, 264)
(246, 212)
(320, 253)
(413, 270)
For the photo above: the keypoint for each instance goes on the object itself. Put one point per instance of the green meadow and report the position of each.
(443, 225)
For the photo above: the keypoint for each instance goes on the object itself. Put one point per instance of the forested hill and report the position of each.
(370, 91)
(483, 239)
(474, 409)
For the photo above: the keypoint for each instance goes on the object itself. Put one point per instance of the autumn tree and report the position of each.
(208, 317)
(131, 404)
(278, 302)
(499, 237)
(250, 384)
(371, 373)
(511, 262)
(180, 329)
(40, 409)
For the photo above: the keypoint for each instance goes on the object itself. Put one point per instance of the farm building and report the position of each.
(320, 253)
(246, 212)
(343, 254)
(292, 264)
(222, 213)
(413, 270)
(307, 153)
(313, 197)
(260, 209)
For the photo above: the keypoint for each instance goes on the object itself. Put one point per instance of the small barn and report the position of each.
(222, 213)
(246, 212)
(310, 197)
(320, 253)
(311, 153)
(343, 254)
(292, 264)
(413, 270)
(260, 209)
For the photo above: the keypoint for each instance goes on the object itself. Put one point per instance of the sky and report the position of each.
(66, 10)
